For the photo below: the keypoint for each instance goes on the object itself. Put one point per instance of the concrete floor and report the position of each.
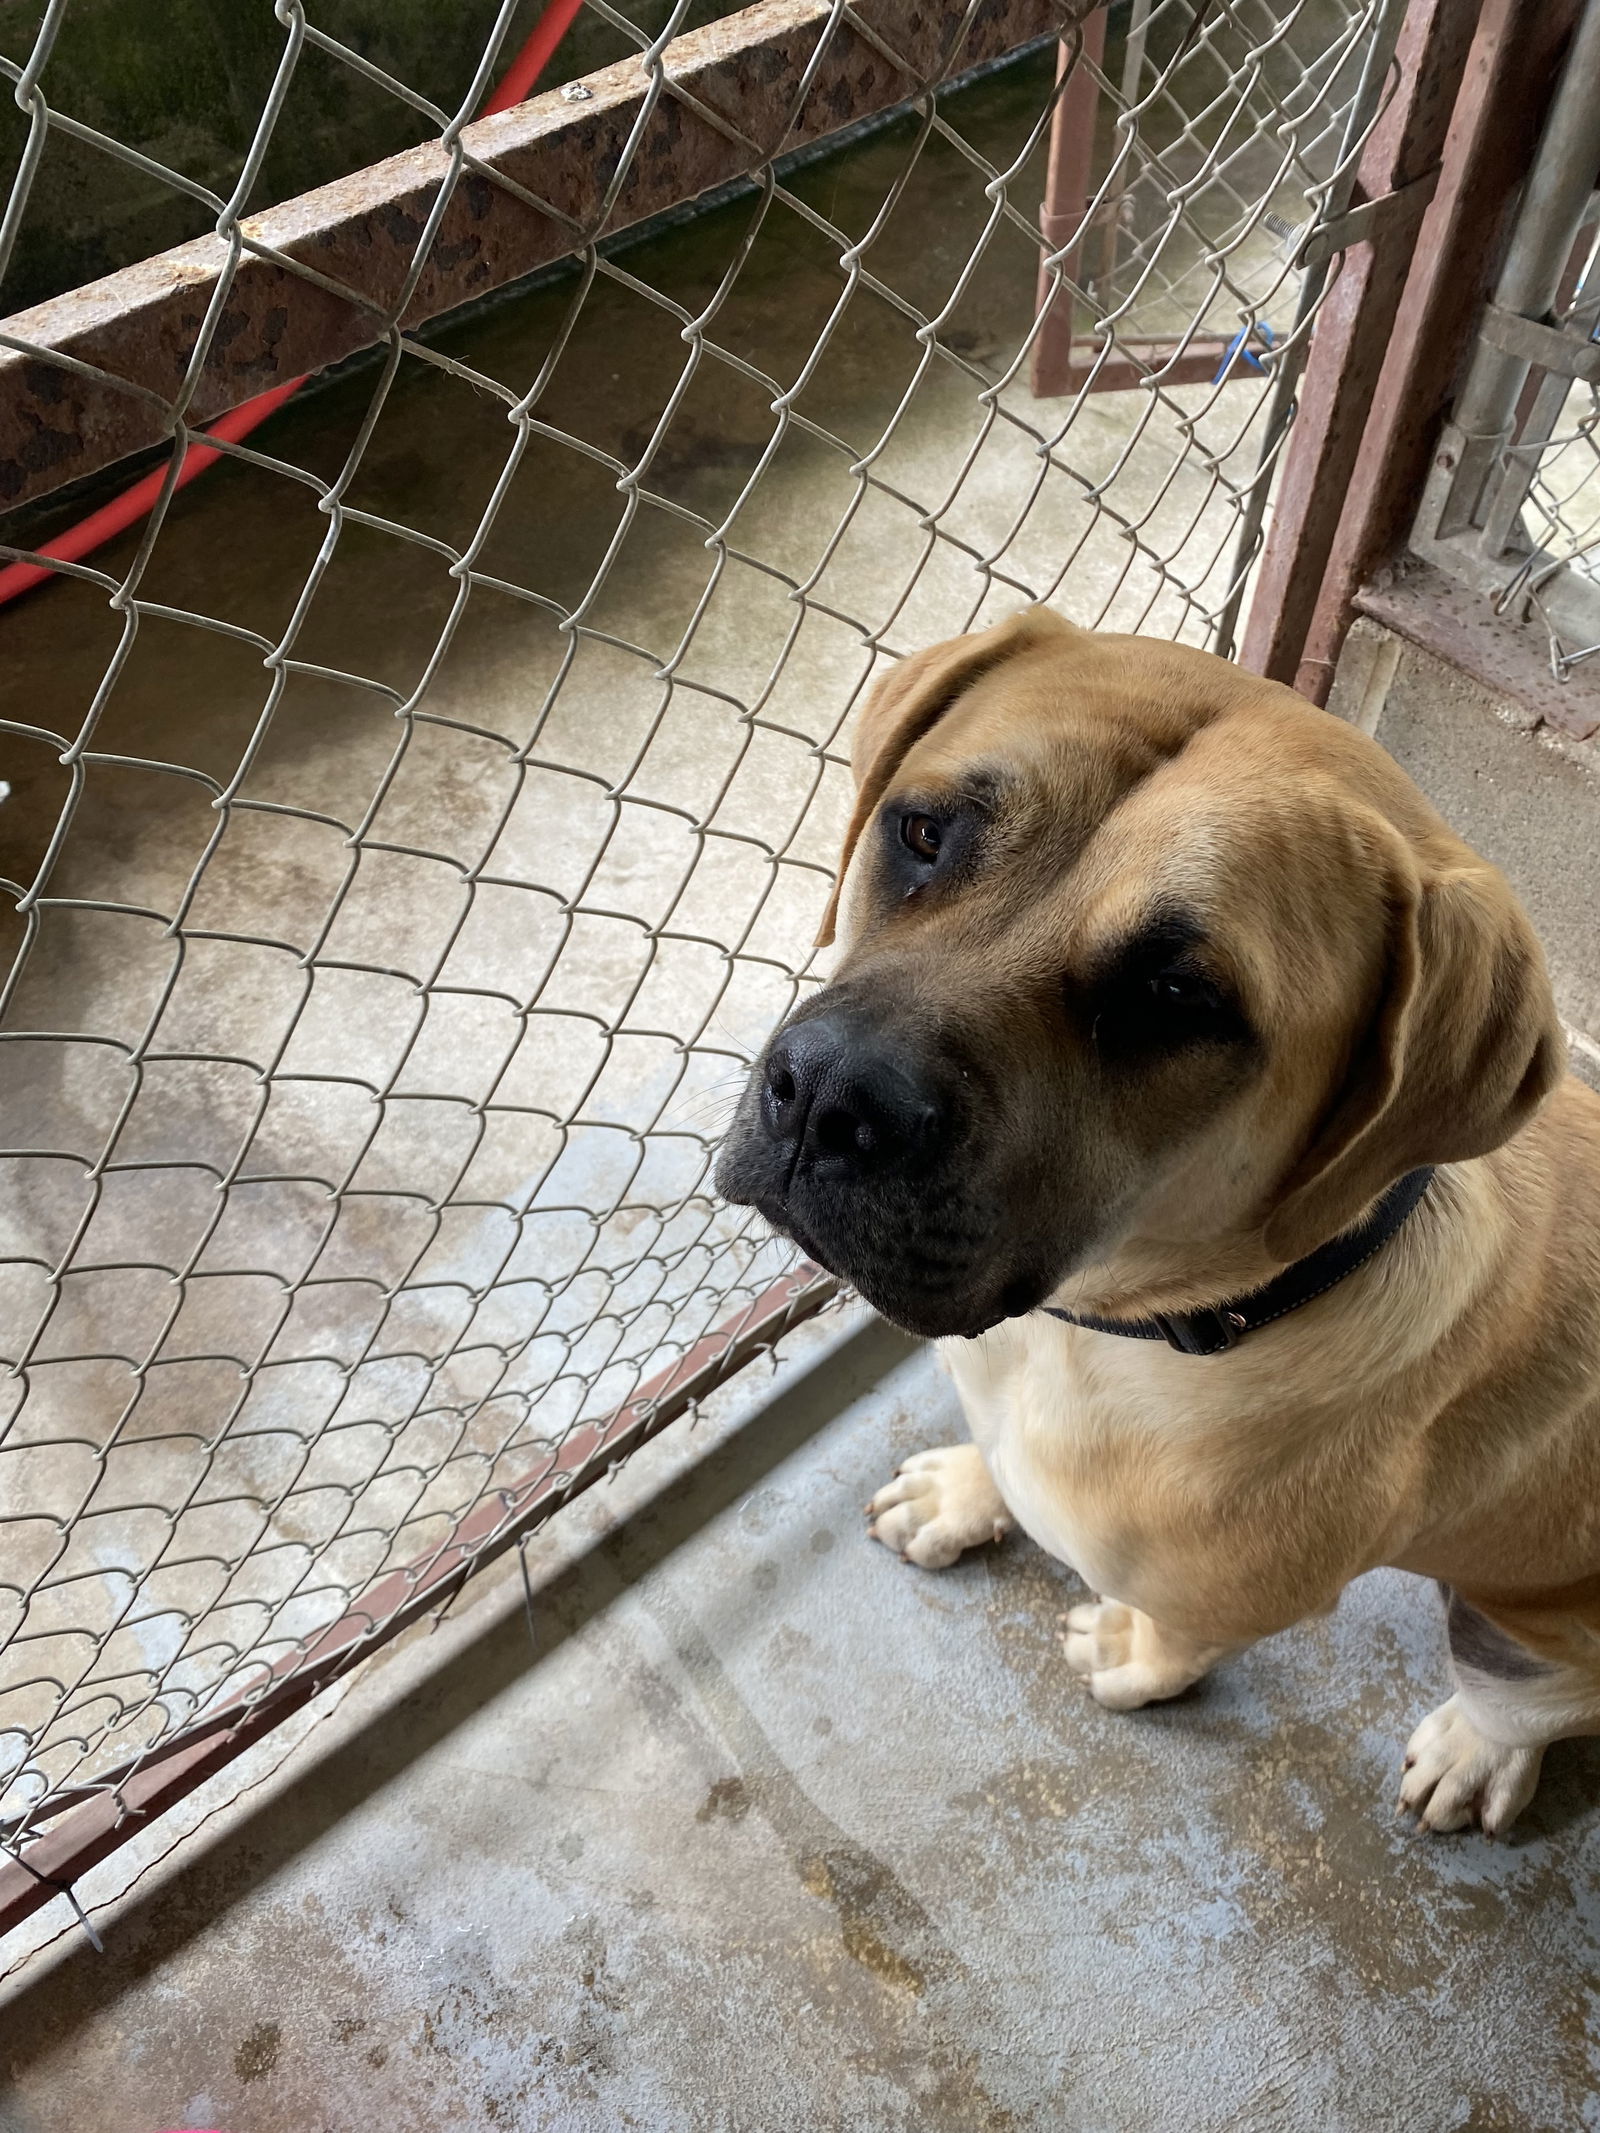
(1530, 801)
(774, 1832)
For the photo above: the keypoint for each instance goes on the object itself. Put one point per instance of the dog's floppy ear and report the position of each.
(912, 697)
(1463, 1047)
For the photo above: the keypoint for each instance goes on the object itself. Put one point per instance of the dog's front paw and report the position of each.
(1127, 1659)
(939, 1503)
(1454, 1776)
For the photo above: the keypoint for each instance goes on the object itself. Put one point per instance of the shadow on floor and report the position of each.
(81, 1983)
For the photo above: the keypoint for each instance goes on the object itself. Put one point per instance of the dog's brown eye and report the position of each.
(922, 835)
(1180, 989)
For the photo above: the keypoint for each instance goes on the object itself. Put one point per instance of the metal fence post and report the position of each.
(1398, 170)
(1504, 534)
(1290, 363)
(1553, 206)
(1069, 187)
(1511, 70)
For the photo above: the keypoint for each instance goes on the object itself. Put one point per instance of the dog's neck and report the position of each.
(1153, 1285)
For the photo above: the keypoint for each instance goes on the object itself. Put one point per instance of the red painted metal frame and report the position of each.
(1359, 453)
(1065, 362)
(1138, 362)
(1352, 334)
(1068, 189)
(96, 1820)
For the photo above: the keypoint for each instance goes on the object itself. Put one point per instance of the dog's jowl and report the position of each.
(1202, 1092)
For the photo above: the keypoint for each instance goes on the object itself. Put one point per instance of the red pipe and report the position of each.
(134, 503)
(127, 509)
(519, 78)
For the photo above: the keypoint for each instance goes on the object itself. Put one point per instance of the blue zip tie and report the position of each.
(1237, 347)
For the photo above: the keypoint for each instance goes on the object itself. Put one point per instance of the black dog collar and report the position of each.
(1210, 1331)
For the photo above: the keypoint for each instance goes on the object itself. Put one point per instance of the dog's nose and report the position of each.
(832, 1094)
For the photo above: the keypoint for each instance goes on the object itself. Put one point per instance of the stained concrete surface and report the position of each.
(775, 1832)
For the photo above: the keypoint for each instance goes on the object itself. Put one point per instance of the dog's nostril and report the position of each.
(837, 1133)
(781, 1082)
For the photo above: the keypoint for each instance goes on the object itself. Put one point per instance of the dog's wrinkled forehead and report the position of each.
(1082, 707)
(1094, 789)
(1092, 716)
(1095, 776)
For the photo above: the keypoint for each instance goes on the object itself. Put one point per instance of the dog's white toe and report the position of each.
(940, 1503)
(1128, 1660)
(1454, 1777)
(1099, 1646)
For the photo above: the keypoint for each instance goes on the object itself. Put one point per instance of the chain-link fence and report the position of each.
(414, 826)
(1513, 510)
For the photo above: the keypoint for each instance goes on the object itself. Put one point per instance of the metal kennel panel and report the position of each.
(1511, 512)
(414, 826)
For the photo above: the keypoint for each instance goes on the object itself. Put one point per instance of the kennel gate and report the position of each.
(404, 851)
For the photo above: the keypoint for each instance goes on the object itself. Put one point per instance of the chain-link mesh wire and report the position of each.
(1222, 146)
(1543, 514)
(414, 828)
(1511, 509)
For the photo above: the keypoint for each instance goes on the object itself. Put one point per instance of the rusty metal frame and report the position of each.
(1352, 493)
(1064, 362)
(92, 1821)
(1399, 165)
(1068, 188)
(1449, 621)
(95, 375)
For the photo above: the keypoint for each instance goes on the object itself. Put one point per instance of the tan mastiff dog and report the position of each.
(1202, 1092)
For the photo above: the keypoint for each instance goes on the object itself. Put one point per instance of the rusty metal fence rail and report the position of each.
(1512, 511)
(414, 826)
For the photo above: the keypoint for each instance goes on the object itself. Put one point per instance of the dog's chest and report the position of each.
(1048, 1514)
(1098, 1456)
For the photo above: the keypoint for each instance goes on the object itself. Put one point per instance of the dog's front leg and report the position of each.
(1477, 1758)
(939, 1504)
(1128, 1659)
